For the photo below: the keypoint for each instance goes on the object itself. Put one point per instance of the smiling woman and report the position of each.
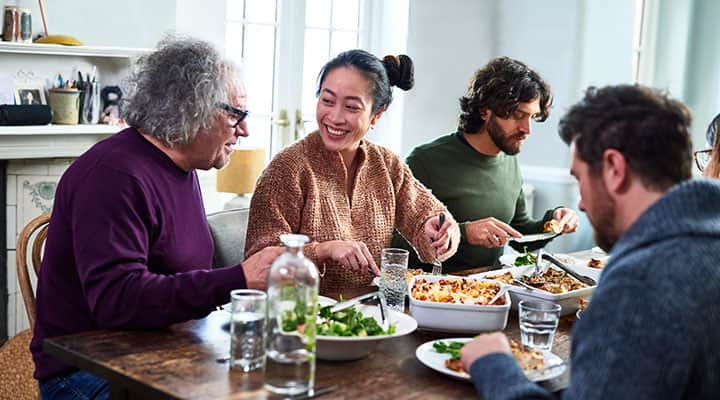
(327, 184)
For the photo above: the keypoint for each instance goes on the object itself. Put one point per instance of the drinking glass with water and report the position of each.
(393, 278)
(538, 322)
(247, 329)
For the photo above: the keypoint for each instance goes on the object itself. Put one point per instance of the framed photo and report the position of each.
(30, 94)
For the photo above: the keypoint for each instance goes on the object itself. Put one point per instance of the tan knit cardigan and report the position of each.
(303, 191)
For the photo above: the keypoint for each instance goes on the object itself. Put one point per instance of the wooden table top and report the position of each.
(189, 360)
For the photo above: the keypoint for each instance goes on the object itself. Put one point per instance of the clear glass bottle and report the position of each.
(292, 314)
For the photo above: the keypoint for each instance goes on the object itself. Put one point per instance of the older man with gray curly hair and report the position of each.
(128, 245)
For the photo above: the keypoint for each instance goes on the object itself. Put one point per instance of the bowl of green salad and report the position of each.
(354, 333)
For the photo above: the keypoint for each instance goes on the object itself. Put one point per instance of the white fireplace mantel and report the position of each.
(50, 141)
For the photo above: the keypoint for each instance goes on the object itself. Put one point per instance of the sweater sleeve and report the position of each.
(276, 206)
(111, 254)
(498, 376)
(414, 206)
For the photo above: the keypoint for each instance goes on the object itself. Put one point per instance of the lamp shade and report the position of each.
(242, 172)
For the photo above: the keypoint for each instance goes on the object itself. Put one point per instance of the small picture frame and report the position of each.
(30, 94)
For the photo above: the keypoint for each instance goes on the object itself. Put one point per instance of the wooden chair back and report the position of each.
(32, 238)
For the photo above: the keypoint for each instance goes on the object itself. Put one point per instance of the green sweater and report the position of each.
(473, 186)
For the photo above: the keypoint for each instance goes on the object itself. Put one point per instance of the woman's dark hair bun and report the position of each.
(400, 71)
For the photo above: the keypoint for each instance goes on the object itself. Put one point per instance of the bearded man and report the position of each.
(474, 171)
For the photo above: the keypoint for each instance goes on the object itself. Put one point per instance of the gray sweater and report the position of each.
(652, 328)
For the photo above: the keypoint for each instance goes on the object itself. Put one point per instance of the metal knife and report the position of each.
(315, 393)
(344, 305)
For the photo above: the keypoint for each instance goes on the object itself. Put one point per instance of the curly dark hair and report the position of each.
(382, 75)
(651, 130)
(501, 86)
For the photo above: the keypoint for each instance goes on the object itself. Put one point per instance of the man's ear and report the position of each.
(615, 171)
(485, 114)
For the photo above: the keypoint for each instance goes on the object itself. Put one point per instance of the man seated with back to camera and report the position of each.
(650, 331)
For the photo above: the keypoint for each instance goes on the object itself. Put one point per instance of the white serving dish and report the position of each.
(337, 348)
(569, 301)
(447, 317)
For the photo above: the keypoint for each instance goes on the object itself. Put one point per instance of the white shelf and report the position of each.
(74, 51)
(90, 129)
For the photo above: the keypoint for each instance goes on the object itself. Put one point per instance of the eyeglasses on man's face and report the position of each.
(235, 112)
(702, 158)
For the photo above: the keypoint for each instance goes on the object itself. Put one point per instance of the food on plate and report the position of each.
(456, 291)
(552, 280)
(552, 226)
(350, 322)
(583, 302)
(524, 259)
(413, 272)
(528, 359)
(595, 263)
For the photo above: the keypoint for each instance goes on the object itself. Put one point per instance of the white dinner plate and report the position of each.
(426, 354)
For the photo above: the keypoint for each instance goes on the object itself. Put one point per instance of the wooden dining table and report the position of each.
(190, 361)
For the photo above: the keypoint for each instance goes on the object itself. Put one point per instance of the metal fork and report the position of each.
(437, 265)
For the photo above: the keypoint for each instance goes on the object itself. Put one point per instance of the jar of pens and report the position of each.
(76, 101)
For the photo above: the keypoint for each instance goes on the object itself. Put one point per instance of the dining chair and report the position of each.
(228, 230)
(16, 364)
(31, 238)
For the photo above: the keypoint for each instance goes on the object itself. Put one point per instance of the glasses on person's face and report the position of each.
(702, 158)
(235, 112)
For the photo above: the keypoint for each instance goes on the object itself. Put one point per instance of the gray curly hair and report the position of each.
(172, 93)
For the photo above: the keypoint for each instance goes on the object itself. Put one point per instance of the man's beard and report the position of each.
(603, 219)
(503, 140)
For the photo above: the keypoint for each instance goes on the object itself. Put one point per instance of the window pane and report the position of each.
(317, 13)
(342, 41)
(260, 11)
(316, 55)
(259, 60)
(259, 129)
(235, 10)
(345, 14)
(233, 41)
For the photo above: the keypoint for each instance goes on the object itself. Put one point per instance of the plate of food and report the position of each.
(552, 285)
(457, 304)
(443, 355)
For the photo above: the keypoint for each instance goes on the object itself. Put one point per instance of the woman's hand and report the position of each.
(489, 232)
(567, 218)
(349, 253)
(257, 266)
(438, 234)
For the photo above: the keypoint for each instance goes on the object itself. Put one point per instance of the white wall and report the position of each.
(448, 41)
(127, 23)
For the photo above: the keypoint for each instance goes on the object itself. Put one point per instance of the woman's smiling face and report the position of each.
(344, 110)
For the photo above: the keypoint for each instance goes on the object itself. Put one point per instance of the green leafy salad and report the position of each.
(350, 322)
(453, 348)
(525, 259)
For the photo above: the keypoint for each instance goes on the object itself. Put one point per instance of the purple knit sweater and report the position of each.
(128, 248)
